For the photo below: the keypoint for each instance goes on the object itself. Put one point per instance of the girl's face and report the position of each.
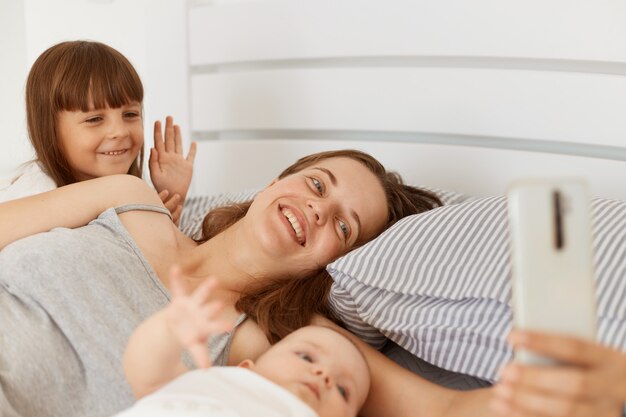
(101, 141)
(307, 219)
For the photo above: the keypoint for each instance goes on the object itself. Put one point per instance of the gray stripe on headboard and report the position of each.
(563, 148)
(531, 64)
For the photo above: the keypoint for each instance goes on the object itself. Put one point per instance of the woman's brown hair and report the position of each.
(72, 76)
(283, 306)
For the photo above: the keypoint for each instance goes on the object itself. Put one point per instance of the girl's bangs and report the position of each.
(103, 82)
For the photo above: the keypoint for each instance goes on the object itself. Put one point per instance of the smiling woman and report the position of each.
(280, 305)
(319, 213)
(74, 309)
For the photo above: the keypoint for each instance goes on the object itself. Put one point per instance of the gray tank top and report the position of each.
(69, 301)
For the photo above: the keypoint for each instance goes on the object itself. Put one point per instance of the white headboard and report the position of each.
(459, 95)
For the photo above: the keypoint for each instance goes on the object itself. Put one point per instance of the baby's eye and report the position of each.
(94, 119)
(318, 185)
(344, 228)
(305, 356)
(343, 392)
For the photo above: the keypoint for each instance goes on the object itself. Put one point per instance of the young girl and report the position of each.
(84, 114)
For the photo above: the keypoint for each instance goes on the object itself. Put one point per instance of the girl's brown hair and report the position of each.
(72, 76)
(283, 306)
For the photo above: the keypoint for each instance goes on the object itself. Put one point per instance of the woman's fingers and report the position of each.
(512, 400)
(605, 382)
(560, 347)
(591, 380)
(590, 368)
(560, 380)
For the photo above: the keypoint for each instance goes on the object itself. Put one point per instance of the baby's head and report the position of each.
(67, 85)
(320, 366)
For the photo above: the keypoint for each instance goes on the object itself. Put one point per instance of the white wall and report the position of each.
(150, 33)
(486, 91)
(12, 69)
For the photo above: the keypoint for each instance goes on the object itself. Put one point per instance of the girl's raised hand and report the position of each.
(592, 381)
(169, 169)
(174, 204)
(192, 318)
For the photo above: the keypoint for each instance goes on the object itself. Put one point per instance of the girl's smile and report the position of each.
(114, 153)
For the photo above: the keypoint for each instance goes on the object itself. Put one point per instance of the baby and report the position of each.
(315, 371)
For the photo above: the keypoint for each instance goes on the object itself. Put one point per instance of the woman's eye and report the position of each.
(343, 392)
(344, 228)
(305, 357)
(318, 185)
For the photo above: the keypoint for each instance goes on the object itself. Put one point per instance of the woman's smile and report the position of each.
(294, 223)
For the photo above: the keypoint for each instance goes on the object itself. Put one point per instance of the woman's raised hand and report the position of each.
(192, 318)
(591, 383)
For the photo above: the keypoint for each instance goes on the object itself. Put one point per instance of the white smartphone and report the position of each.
(552, 259)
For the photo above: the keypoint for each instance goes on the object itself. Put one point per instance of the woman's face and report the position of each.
(307, 219)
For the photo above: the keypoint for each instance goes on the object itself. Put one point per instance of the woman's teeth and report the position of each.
(295, 224)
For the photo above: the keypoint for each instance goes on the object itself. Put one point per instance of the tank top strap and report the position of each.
(240, 320)
(142, 207)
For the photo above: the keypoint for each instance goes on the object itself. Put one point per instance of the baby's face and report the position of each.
(321, 367)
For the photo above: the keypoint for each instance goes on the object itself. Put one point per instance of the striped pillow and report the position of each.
(197, 207)
(438, 284)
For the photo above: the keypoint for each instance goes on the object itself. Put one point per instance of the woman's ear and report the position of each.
(248, 364)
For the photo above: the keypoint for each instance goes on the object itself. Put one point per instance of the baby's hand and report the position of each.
(192, 318)
(169, 169)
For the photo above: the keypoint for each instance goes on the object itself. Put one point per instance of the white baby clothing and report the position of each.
(227, 391)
